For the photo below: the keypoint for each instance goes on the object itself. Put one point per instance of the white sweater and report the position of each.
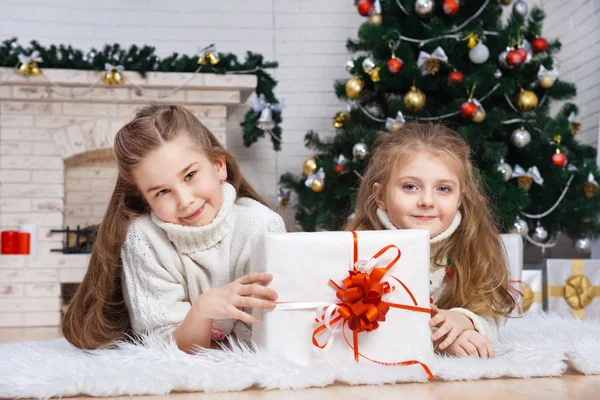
(167, 266)
(484, 324)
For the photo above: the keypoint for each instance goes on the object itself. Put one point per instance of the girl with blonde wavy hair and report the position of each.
(420, 176)
(172, 250)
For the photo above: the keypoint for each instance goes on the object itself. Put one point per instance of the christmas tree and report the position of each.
(456, 63)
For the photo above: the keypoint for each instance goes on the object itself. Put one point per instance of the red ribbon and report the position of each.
(361, 305)
(515, 293)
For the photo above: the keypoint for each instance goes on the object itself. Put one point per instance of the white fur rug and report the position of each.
(533, 346)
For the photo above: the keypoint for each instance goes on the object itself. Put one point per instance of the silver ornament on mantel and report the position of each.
(520, 227)
(349, 65)
(368, 65)
(521, 8)
(520, 138)
(583, 245)
(360, 151)
(540, 233)
(504, 169)
(424, 7)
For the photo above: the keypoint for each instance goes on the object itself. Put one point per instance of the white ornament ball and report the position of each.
(498, 74)
(540, 234)
(521, 8)
(360, 151)
(424, 7)
(520, 138)
(504, 169)
(520, 227)
(368, 65)
(349, 65)
(479, 54)
(583, 245)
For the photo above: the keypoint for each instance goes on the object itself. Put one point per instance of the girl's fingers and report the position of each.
(490, 349)
(255, 289)
(442, 330)
(450, 338)
(438, 319)
(255, 277)
(469, 348)
(253, 302)
(243, 316)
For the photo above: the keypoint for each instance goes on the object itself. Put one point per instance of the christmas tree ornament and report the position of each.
(456, 77)
(479, 115)
(262, 106)
(354, 87)
(360, 151)
(479, 54)
(468, 109)
(540, 233)
(539, 45)
(28, 65)
(374, 74)
(526, 178)
(368, 65)
(559, 159)
(498, 74)
(207, 56)
(504, 169)
(520, 227)
(527, 51)
(365, 7)
(522, 52)
(375, 18)
(451, 7)
(430, 63)
(340, 119)
(502, 60)
(113, 74)
(394, 64)
(583, 245)
(316, 181)
(283, 197)
(393, 124)
(309, 166)
(505, 2)
(424, 8)
(547, 77)
(520, 137)
(515, 57)
(414, 99)
(526, 100)
(575, 126)
(521, 8)
(472, 40)
(349, 65)
(341, 166)
(590, 187)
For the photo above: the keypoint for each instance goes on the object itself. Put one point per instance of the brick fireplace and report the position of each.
(56, 166)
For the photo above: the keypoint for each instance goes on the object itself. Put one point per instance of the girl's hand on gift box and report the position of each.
(471, 343)
(228, 301)
(450, 324)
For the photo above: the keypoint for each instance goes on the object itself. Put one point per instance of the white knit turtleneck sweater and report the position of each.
(167, 266)
(484, 324)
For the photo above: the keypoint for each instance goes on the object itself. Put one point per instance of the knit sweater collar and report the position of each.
(189, 239)
(437, 241)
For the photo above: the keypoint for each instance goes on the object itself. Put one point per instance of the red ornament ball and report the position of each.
(514, 57)
(559, 159)
(468, 109)
(539, 45)
(523, 53)
(365, 7)
(456, 77)
(394, 65)
(339, 168)
(451, 7)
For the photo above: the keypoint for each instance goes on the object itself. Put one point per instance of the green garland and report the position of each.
(144, 59)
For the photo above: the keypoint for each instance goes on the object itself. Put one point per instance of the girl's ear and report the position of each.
(378, 195)
(221, 167)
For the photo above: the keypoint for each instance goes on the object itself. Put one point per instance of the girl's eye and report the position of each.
(190, 175)
(409, 186)
(162, 192)
(445, 189)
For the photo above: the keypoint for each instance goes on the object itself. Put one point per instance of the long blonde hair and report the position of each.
(481, 281)
(97, 315)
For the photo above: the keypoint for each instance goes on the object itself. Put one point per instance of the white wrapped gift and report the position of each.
(513, 246)
(302, 265)
(531, 287)
(574, 287)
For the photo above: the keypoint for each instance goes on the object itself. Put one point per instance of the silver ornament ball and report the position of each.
(504, 169)
(360, 151)
(540, 233)
(502, 60)
(498, 74)
(520, 138)
(349, 65)
(424, 7)
(520, 227)
(479, 54)
(368, 65)
(583, 245)
(521, 8)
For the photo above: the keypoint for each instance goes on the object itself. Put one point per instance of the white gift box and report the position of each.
(531, 287)
(574, 287)
(302, 265)
(513, 245)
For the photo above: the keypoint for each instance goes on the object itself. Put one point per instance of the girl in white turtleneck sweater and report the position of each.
(172, 250)
(420, 176)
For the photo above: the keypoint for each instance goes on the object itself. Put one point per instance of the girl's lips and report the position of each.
(424, 218)
(195, 214)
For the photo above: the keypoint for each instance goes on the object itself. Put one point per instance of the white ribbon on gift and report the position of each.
(34, 56)
(111, 67)
(544, 72)
(532, 172)
(311, 177)
(389, 122)
(438, 54)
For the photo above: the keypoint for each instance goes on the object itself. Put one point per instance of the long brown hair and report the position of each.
(481, 280)
(97, 315)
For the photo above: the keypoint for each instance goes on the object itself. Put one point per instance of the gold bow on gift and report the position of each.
(578, 291)
(527, 296)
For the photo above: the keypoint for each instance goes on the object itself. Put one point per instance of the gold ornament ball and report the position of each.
(354, 87)
(505, 2)
(29, 69)
(375, 19)
(479, 116)
(310, 166)
(547, 82)
(317, 185)
(527, 100)
(414, 99)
